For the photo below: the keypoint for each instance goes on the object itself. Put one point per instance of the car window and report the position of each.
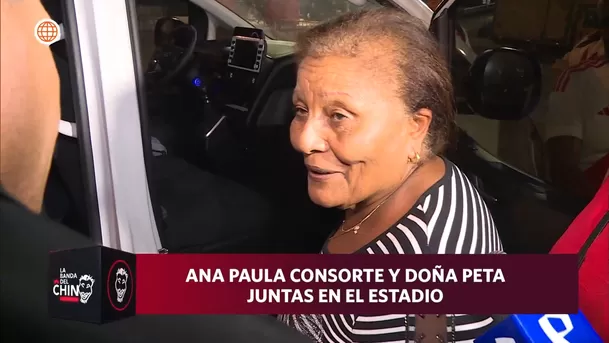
(433, 4)
(484, 25)
(223, 32)
(147, 15)
(284, 19)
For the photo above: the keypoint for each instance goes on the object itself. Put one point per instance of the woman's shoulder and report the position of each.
(438, 189)
(450, 217)
(453, 183)
(451, 173)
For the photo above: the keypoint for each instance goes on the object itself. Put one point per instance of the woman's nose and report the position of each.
(309, 137)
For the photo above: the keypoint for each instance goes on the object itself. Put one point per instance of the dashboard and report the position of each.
(247, 51)
(231, 90)
(239, 76)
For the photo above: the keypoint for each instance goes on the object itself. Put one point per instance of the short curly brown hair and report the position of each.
(425, 78)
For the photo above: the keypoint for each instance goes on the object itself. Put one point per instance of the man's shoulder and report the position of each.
(26, 239)
(580, 66)
(589, 39)
(20, 226)
(589, 50)
(25, 242)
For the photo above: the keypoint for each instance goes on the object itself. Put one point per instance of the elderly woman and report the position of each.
(374, 111)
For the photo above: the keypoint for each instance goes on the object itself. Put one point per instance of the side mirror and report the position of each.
(504, 84)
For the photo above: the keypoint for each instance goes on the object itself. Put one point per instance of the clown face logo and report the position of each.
(120, 284)
(71, 288)
(85, 288)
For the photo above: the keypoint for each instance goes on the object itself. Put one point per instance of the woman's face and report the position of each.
(353, 129)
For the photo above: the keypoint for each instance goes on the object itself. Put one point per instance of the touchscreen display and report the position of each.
(246, 54)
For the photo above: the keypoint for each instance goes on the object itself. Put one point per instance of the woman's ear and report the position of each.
(421, 120)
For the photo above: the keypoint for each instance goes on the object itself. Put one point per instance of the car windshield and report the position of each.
(284, 19)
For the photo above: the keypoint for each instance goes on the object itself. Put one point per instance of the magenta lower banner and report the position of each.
(366, 284)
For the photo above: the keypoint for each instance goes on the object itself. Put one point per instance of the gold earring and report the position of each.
(416, 158)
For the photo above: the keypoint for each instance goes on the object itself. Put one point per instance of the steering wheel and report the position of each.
(169, 58)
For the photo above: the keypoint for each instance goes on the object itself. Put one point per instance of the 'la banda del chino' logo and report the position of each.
(73, 288)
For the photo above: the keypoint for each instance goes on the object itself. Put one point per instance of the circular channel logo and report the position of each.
(120, 285)
(47, 31)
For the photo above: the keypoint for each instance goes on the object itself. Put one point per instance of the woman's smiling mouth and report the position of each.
(320, 174)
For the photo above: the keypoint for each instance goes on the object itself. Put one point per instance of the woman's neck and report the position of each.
(415, 182)
(378, 199)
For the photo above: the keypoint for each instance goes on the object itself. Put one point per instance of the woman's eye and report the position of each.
(299, 111)
(338, 116)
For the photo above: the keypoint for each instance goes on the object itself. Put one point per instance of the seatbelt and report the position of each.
(595, 233)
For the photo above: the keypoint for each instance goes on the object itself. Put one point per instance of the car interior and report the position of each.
(222, 110)
(223, 176)
(226, 177)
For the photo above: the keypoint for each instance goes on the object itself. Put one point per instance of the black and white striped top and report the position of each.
(449, 218)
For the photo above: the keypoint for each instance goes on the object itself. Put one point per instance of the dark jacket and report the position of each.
(25, 242)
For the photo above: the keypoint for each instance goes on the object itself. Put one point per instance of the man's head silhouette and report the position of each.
(30, 110)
